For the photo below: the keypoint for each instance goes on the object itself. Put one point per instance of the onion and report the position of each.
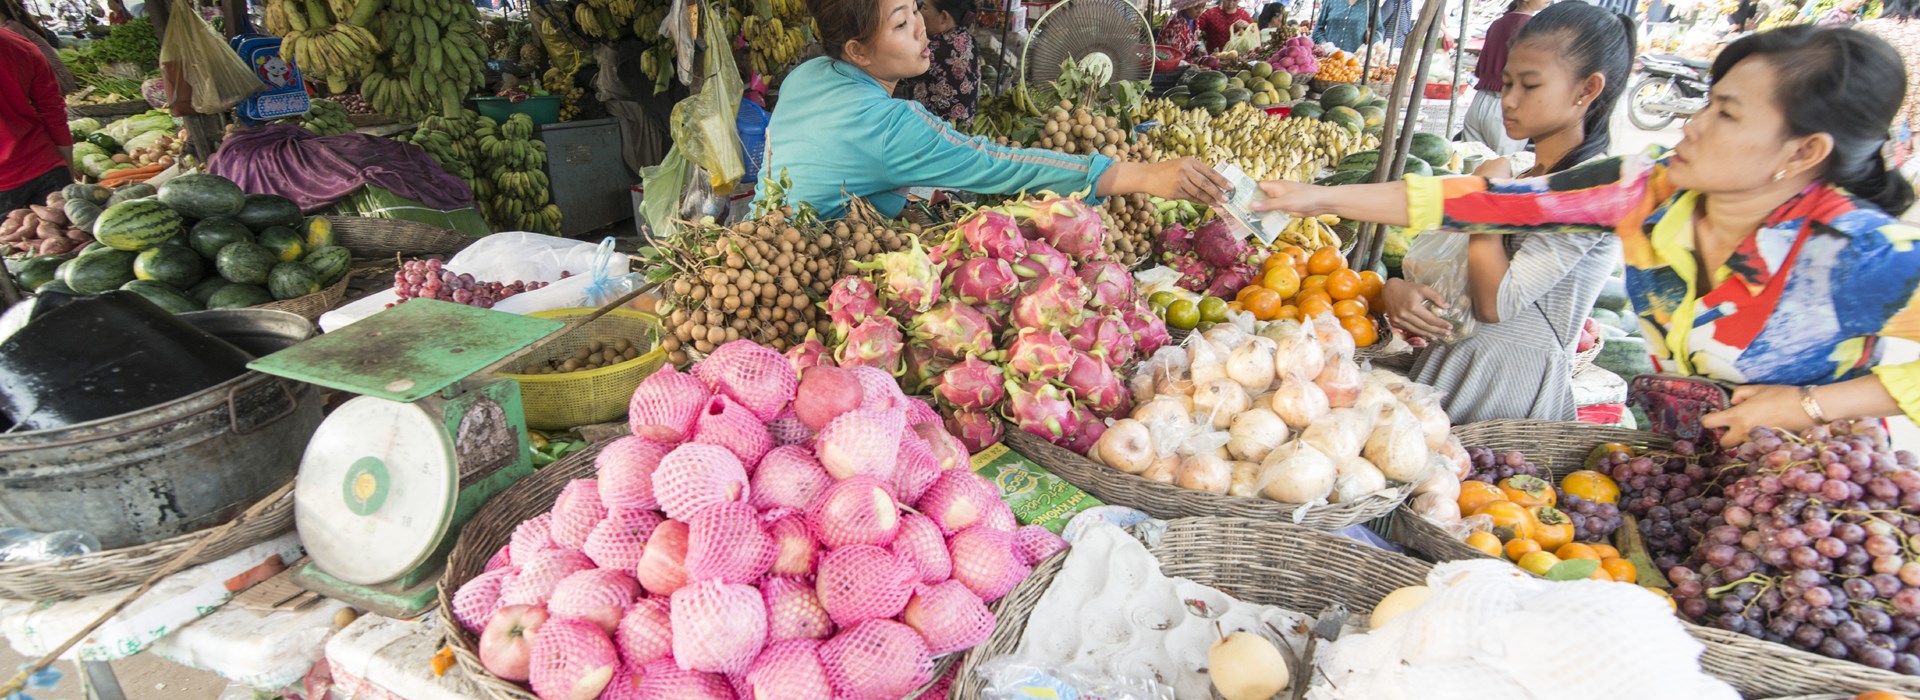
(1340, 434)
(1256, 433)
(1205, 472)
(1127, 446)
(1163, 470)
(1297, 473)
(1437, 507)
(1356, 478)
(1251, 364)
(1219, 401)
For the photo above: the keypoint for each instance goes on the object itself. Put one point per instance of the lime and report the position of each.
(1162, 299)
(1213, 310)
(1183, 314)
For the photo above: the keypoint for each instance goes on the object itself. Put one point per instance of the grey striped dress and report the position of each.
(1522, 367)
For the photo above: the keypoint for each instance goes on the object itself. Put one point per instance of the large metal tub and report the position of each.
(174, 468)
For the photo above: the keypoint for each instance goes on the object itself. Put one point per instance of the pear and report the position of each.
(1245, 666)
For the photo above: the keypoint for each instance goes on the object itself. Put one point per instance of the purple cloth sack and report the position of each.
(316, 171)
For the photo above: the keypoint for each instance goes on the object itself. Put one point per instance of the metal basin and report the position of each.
(174, 468)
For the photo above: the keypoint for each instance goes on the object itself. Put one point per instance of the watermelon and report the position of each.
(92, 193)
(56, 286)
(1306, 110)
(264, 210)
(290, 280)
(1341, 96)
(138, 190)
(163, 296)
(1207, 81)
(82, 213)
(90, 248)
(176, 265)
(136, 225)
(99, 273)
(204, 290)
(1346, 177)
(246, 263)
(235, 296)
(287, 245)
(330, 263)
(210, 235)
(37, 271)
(1347, 117)
(198, 196)
(1213, 102)
(1431, 148)
(319, 233)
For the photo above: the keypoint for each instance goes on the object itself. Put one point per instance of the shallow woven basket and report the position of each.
(1583, 360)
(1169, 501)
(562, 401)
(383, 238)
(490, 529)
(115, 569)
(1318, 85)
(1252, 560)
(313, 305)
(110, 109)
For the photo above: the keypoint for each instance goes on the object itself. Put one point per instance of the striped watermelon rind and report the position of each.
(137, 225)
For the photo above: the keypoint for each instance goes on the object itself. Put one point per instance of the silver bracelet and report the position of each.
(1812, 407)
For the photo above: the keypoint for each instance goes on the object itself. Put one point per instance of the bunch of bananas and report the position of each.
(516, 190)
(561, 83)
(773, 47)
(1311, 232)
(450, 141)
(327, 39)
(435, 59)
(657, 63)
(325, 118)
(1266, 147)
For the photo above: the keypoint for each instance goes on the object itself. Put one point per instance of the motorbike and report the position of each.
(1669, 87)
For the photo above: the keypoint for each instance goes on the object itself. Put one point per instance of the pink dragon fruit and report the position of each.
(1042, 409)
(1042, 260)
(1149, 330)
(974, 429)
(973, 384)
(1090, 428)
(1067, 224)
(1107, 338)
(1110, 284)
(1054, 302)
(1217, 245)
(1194, 275)
(945, 255)
(1176, 239)
(908, 277)
(874, 343)
(948, 452)
(1228, 283)
(983, 281)
(1096, 386)
(664, 406)
(954, 330)
(809, 353)
(852, 301)
(921, 364)
(1039, 354)
(995, 234)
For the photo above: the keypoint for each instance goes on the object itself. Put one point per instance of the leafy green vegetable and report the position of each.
(125, 129)
(81, 128)
(133, 42)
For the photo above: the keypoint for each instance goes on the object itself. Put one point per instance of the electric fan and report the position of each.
(1109, 39)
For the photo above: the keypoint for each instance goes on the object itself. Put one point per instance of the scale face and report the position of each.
(376, 490)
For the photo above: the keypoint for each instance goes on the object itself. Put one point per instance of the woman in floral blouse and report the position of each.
(1182, 31)
(1763, 250)
(951, 88)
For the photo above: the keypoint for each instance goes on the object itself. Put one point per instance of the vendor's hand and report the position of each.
(1759, 406)
(1294, 198)
(1405, 304)
(1187, 178)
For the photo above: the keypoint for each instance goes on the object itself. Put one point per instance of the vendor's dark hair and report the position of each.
(960, 10)
(1592, 40)
(16, 11)
(1841, 82)
(1270, 11)
(1900, 9)
(841, 21)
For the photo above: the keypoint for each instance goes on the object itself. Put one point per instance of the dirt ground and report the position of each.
(143, 677)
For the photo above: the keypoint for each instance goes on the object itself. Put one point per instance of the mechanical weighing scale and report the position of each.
(391, 475)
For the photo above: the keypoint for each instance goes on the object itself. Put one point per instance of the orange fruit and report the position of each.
(1520, 546)
(1263, 303)
(1345, 308)
(1298, 254)
(1235, 306)
(1360, 327)
(1486, 542)
(1244, 291)
(1320, 294)
(1274, 260)
(1315, 283)
(1325, 261)
(1576, 550)
(1312, 306)
(1343, 284)
(1600, 574)
(1474, 494)
(1620, 569)
(1288, 312)
(1606, 551)
(1510, 519)
(1281, 279)
(1371, 286)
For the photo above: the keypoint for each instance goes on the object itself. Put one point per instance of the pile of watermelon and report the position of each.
(196, 242)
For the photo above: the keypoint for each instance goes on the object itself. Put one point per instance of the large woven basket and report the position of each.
(1169, 501)
(114, 569)
(490, 529)
(563, 401)
(313, 305)
(1252, 560)
(108, 110)
(384, 238)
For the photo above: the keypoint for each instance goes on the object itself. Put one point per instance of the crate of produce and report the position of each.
(1443, 91)
(598, 387)
(543, 109)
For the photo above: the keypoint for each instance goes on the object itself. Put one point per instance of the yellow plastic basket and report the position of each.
(564, 401)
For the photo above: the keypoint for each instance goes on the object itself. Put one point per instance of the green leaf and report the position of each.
(659, 274)
(1572, 570)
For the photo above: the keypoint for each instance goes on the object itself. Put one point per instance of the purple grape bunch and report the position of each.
(1593, 521)
(1493, 468)
(1813, 546)
(429, 279)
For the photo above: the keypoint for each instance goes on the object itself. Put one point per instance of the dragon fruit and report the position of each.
(1039, 354)
(809, 353)
(1096, 386)
(852, 301)
(1042, 260)
(1053, 302)
(1194, 274)
(1107, 338)
(995, 234)
(954, 331)
(1042, 409)
(1067, 224)
(973, 384)
(665, 406)
(1088, 431)
(1176, 239)
(875, 343)
(1228, 283)
(948, 452)
(1149, 330)
(984, 280)
(908, 277)
(1109, 283)
(1217, 245)
(920, 364)
(974, 429)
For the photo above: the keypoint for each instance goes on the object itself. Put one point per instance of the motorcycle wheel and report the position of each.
(1643, 90)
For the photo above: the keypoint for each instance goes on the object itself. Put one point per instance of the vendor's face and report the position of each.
(1228, 6)
(1740, 140)
(899, 49)
(1542, 96)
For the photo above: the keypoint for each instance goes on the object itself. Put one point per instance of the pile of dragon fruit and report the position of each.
(1296, 57)
(1019, 314)
(1210, 259)
(766, 532)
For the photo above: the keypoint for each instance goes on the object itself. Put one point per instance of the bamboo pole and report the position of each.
(1395, 137)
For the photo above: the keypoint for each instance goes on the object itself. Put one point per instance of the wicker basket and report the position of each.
(108, 110)
(1762, 669)
(1168, 501)
(384, 238)
(564, 401)
(313, 305)
(1583, 360)
(115, 569)
(490, 529)
(1251, 560)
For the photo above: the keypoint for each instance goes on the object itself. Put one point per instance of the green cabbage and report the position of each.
(125, 129)
(82, 149)
(96, 165)
(83, 126)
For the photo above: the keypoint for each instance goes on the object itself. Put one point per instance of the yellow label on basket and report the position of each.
(1035, 494)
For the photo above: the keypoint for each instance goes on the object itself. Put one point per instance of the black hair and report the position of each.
(1591, 40)
(1844, 83)
(1900, 9)
(1272, 10)
(960, 10)
(841, 21)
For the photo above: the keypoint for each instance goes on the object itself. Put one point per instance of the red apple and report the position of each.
(663, 568)
(506, 646)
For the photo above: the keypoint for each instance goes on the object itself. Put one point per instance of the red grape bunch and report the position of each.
(429, 279)
(1494, 468)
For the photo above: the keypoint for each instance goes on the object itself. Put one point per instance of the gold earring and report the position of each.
(1779, 175)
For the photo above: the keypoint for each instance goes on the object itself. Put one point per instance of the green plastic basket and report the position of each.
(543, 109)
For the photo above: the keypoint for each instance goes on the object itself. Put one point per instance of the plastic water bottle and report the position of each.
(23, 546)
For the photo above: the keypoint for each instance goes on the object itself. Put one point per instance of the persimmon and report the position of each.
(1313, 306)
(1263, 303)
(1288, 312)
(1298, 254)
(1555, 529)
(1282, 280)
(1345, 308)
(1315, 283)
(1591, 485)
(1360, 327)
(1529, 491)
(1520, 546)
(1474, 494)
(1606, 551)
(1241, 296)
(1620, 569)
(1371, 285)
(1276, 259)
(1576, 550)
(1509, 519)
(1600, 574)
(1343, 284)
(1486, 542)
(1325, 261)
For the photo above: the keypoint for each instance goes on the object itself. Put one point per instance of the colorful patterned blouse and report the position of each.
(1216, 25)
(1805, 300)
(1179, 33)
(951, 88)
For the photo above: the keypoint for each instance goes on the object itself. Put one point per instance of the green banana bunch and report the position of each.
(513, 191)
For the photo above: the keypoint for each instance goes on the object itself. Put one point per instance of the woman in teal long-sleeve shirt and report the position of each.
(838, 132)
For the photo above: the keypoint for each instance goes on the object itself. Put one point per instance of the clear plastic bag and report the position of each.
(704, 125)
(1016, 677)
(202, 69)
(662, 186)
(1438, 259)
